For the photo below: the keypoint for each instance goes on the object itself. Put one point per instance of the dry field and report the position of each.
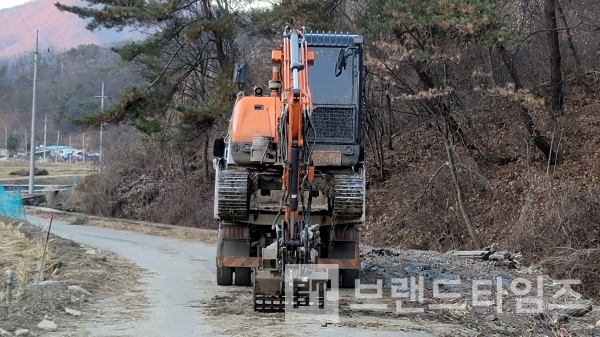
(54, 169)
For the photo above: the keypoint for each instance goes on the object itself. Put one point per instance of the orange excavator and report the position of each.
(290, 180)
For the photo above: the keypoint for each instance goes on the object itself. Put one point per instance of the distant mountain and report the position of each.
(57, 30)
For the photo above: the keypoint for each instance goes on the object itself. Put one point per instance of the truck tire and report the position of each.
(348, 277)
(243, 276)
(224, 276)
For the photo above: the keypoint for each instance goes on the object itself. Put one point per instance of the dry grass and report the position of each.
(58, 169)
(21, 255)
(107, 276)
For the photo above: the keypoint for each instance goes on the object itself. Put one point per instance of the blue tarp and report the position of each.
(11, 204)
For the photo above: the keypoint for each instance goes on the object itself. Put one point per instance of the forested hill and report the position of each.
(67, 84)
(58, 31)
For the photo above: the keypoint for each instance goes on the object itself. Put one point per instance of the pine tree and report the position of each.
(12, 144)
(185, 58)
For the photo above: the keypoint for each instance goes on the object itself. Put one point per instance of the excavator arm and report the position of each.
(296, 237)
(296, 106)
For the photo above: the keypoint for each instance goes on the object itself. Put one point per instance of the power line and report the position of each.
(18, 11)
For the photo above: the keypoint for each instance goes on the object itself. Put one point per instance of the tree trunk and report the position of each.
(512, 70)
(579, 70)
(218, 36)
(205, 160)
(374, 132)
(490, 65)
(556, 84)
(459, 191)
(389, 121)
(439, 109)
(540, 141)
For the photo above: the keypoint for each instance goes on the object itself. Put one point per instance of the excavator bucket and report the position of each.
(269, 293)
(273, 294)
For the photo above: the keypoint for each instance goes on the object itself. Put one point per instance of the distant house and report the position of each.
(3, 152)
(39, 153)
(57, 151)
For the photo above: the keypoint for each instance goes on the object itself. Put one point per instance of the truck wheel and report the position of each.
(243, 276)
(224, 276)
(348, 277)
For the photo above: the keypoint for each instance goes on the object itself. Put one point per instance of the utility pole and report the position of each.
(6, 136)
(101, 125)
(83, 147)
(45, 128)
(32, 146)
(70, 150)
(56, 151)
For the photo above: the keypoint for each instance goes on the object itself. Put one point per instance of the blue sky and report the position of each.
(11, 3)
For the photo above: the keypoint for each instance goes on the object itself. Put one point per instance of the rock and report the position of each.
(490, 318)
(96, 254)
(22, 333)
(415, 267)
(44, 286)
(47, 325)
(598, 324)
(73, 312)
(75, 299)
(4, 332)
(79, 291)
(563, 315)
(480, 310)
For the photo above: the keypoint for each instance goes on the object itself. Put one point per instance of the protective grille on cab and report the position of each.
(333, 125)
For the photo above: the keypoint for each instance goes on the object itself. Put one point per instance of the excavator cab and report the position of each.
(335, 87)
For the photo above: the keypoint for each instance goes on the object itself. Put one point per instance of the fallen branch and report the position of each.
(563, 315)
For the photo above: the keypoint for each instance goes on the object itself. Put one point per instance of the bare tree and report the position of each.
(556, 83)
(459, 191)
(540, 141)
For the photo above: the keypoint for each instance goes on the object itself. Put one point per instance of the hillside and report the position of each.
(549, 213)
(57, 30)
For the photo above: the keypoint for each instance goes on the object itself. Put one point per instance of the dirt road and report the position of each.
(183, 299)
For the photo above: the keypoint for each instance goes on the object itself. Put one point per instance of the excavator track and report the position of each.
(349, 196)
(232, 195)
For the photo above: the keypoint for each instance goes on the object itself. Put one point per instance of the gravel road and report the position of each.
(181, 290)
